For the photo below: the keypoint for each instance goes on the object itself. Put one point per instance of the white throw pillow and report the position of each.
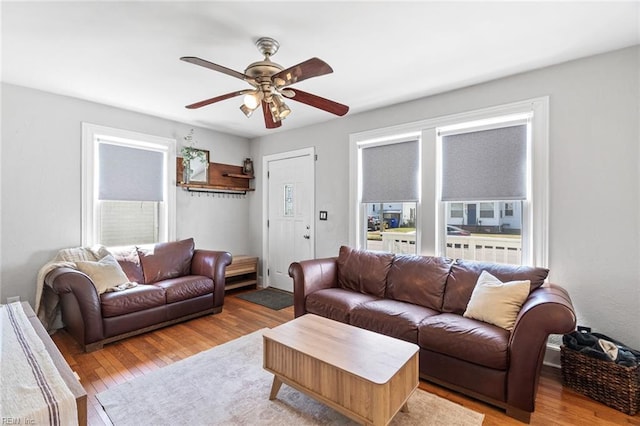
(105, 273)
(495, 302)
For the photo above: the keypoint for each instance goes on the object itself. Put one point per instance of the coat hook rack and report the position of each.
(216, 191)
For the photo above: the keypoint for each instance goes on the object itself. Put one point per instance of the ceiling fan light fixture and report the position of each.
(252, 100)
(284, 111)
(279, 108)
(287, 93)
(274, 112)
(246, 110)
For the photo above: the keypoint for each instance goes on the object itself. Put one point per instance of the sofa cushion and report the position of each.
(464, 275)
(466, 339)
(418, 279)
(183, 288)
(391, 317)
(132, 300)
(364, 271)
(496, 302)
(105, 273)
(127, 257)
(335, 303)
(166, 260)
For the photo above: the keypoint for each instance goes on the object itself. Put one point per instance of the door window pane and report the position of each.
(288, 199)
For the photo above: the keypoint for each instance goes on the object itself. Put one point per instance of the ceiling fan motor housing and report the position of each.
(264, 68)
(261, 71)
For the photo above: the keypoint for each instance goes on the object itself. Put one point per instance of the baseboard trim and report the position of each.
(552, 356)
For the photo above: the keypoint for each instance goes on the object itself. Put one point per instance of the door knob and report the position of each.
(306, 237)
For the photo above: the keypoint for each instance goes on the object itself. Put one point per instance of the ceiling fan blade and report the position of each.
(217, 99)
(215, 67)
(268, 118)
(319, 102)
(313, 67)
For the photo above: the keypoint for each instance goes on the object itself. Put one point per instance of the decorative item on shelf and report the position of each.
(195, 161)
(247, 167)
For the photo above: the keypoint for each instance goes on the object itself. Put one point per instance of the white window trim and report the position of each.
(91, 133)
(431, 228)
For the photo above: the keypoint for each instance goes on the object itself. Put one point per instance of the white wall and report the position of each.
(594, 175)
(41, 193)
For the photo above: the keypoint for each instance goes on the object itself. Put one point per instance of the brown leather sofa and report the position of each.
(421, 299)
(176, 282)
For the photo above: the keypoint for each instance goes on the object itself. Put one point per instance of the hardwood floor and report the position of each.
(136, 356)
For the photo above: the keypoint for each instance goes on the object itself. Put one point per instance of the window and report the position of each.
(438, 220)
(487, 164)
(456, 210)
(127, 187)
(508, 209)
(389, 193)
(487, 210)
(128, 222)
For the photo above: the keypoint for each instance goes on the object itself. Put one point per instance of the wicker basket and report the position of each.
(612, 384)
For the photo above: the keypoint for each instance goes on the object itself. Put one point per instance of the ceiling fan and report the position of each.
(271, 83)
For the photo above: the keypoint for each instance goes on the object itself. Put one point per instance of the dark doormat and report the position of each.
(270, 297)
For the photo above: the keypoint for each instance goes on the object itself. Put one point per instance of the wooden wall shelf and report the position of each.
(235, 175)
(225, 178)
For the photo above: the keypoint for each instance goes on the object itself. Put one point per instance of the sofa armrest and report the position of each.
(79, 302)
(212, 264)
(310, 276)
(548, 310)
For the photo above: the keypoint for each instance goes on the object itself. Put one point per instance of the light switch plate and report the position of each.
(323, 215)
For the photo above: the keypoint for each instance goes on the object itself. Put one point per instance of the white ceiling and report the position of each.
(126, 54)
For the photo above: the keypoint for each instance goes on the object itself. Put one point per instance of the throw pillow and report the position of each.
(105, 273)
(129, 261)
(495, 302)
(166, 260)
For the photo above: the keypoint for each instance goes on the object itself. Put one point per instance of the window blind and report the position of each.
(390, 172)
(129, 174)
(485, 165)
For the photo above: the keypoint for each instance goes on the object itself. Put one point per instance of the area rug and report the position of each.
(270, 297)
(227, 385)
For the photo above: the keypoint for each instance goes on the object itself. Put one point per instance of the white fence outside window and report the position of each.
(399, 242)
(473, 247)
(485, 249)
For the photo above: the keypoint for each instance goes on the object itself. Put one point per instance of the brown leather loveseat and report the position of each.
(175, 281)
(422, 299)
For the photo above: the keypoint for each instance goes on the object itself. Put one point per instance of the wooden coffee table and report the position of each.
(366, 376)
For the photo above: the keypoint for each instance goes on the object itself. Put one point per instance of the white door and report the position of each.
(290, 230)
